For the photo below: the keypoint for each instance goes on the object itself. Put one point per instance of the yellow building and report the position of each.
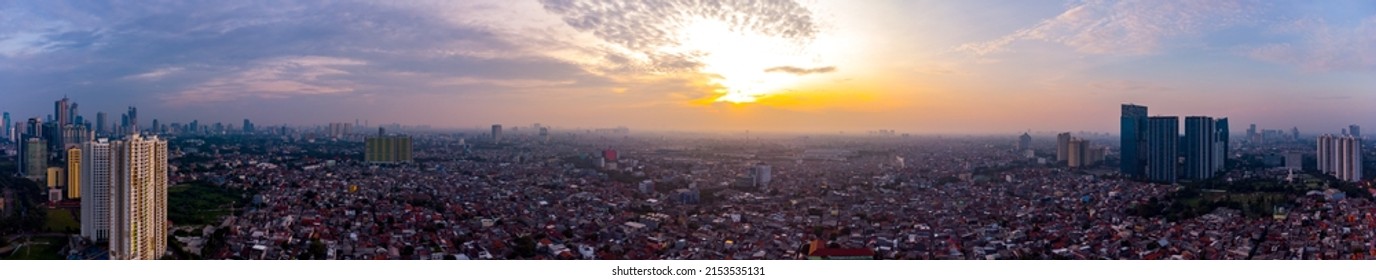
(74, 173)
(138, 228)
(56, 178)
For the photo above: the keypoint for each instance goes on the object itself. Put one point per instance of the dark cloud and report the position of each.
(801, 71)
(648, 26)
(229, 55)
(187, 53)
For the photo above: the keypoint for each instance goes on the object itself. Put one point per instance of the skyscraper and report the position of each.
(6, 126)
(35, 158)
(1063, 147)
(52, 133)
(496, 134)
(1221, 144)
(388, 148)
(1078, 153)
(1340, 156)
(1251, 133)
(248, 126)
(98, 170)
(1349, 158)
(16, 130)
(31, 130)
(761, 175)
(1199, 147)
(1162, 138)
(60, 108)
(544, 134)
(1096, 155)
(1324, 153)
(1024, 142)
(1354, 130)
(73, 135)
(34, 128)
(74, 172)
(338, 130)
(139, 200)
(102, 127)
(1133, 143)
(124, 127)
(72, 116)
(133, 120)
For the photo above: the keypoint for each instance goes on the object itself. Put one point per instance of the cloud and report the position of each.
(214, 52)
(275, 78)
(509, 83)
(1125, 27)
(1291, 35)
(1322, 46)
(156, 74)
(801, 71)
(647, 29)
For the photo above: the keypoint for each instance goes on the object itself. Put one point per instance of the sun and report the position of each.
(736, 58)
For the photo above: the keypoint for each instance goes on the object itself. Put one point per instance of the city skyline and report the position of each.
(817, 66)
(656, 132)
(336, 129)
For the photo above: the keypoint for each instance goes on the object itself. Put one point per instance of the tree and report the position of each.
(317, 249)
(525, 247)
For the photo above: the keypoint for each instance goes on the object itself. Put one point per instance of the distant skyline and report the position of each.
(921, 67)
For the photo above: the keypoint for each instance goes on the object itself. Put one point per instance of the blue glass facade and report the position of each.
(1163, 136)
(1133, 144)
(1199, 147)
(1221, 137)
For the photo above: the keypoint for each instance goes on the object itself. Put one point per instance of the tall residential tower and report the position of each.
(1024, 142)
(1199, 147)
(1063, 147)
(1340, 156)
(1163, 134)
(98, 171)
(1221, 144)
(126, 196)
(139, 200)
(387, 148)
(60, 108)
(496, 134)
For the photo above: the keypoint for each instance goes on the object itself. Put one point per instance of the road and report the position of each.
(12, 240)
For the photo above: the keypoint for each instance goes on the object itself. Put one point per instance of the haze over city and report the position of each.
(636, 135)
(815, 66)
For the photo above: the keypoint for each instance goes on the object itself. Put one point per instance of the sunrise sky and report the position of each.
(763, 65)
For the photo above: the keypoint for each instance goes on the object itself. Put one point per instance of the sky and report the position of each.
(719, 65)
